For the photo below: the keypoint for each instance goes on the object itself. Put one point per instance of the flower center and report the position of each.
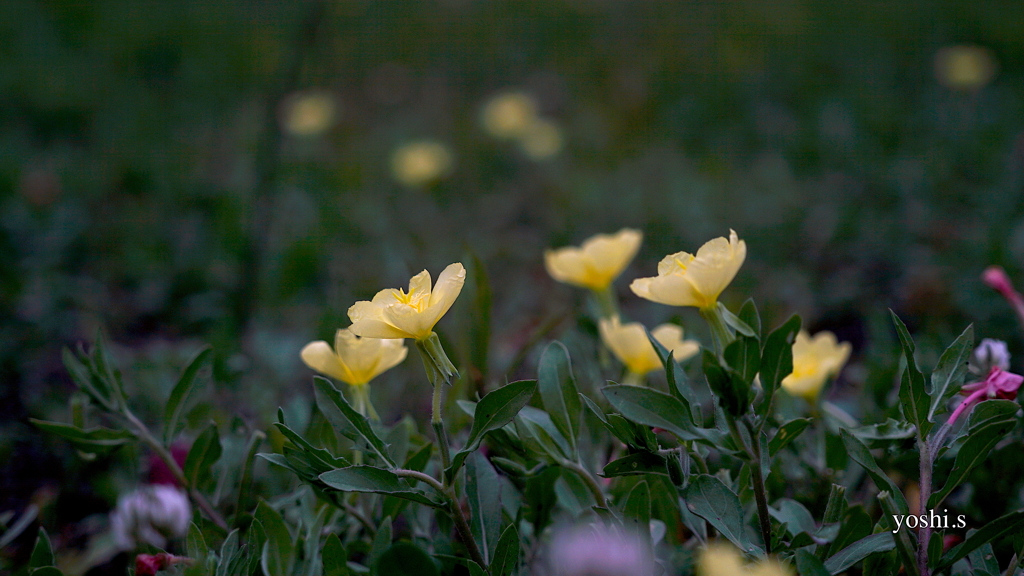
(414, 299)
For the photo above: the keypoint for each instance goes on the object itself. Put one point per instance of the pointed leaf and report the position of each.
(748, 314)
(913, 396)
(786, 434)
(637, 510)
(861, 455)
(678, 384)
(42, 552)
(744, 356)
(732, 389)
(405, 559)
(636, 463)
(180, 393)
(808, 565)
(381, 543)
(559, 393)
(713, 501)
(1007, 524)
(278, 552)
(506, 555)
(483, 490)
(859, 550)
(374, 480)
(948, 376)
(203, 455)
(986, 427)
(494, 410)
(357, 420)
(649, 407)
(777, 356)
(335, 558)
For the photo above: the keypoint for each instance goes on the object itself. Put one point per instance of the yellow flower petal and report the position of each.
(671, 337)
(597, 262)
(630, 345)
(395, 313)
(354, 360)
(694, 280)
(724, 560)
(815, 360)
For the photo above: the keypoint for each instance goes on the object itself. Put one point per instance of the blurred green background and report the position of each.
(239, 173)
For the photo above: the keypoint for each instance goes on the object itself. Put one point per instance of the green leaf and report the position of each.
(180, 394)
(204, 454)
(649, 407)
(278, 555)
(538, 425)
(637, 510)
(374, 480)
(736, 323)
(906, 543)
(786, 434)
(94, 440)
(42, 552)
(860, 454)
(777, 356)
(405, 559)
(636, 463)
(357, 420)
(678, 383)
(483, 490)
(732, 389)
(986, 427)
(889, 430)
(913, 396)
(335, 557)
(381, 542)
(749, 316)
(559, 393)
(949, 373)
(808, 565)
(859, 550)
(1004, 525)
(506, 555)
(744, 356)
(713, 501)
(856, 524)
(794, 516)
(196, 548)
(494, 410)
(87, 380)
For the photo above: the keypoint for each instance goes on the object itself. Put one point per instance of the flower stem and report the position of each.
(760, 493)
(589, 480)
(925, 536)
(143, 433)
(720, 335)
(606, 302)
(454, 510)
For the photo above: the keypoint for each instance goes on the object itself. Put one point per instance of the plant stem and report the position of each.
(438, 425)
(143, 433)
(454, 510)
(925, 536)
(606, 302)
(761, 496)
(720, 335)
(589, 480)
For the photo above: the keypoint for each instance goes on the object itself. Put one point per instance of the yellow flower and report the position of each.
(509, 115)
(630, 345)
(597, 262)
(965, 67)
(309, 113)
(815, 360)
(395, 313)
(354, 360)
(542, 140)
(687, 280)
(724, 560)
(420, 163)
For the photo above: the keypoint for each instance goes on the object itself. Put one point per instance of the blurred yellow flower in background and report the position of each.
(597, 262)
(687, 280)
(509, 115)
(419, 163)
(395, 313)
(630, 345)
(725, 560)
(965, 67)
(308, 113)
(354, 360)
(815, 360)
(542, 140)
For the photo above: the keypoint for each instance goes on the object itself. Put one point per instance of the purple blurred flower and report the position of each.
(596, 550)
(151, 514)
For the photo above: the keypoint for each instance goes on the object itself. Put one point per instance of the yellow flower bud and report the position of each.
(815, 360)
(309, 113)
(395, 313)
(724, 560)
(965, 67)
(354, 360)
(630, 345)
(597, 262)
(509, 115)
(687, 280)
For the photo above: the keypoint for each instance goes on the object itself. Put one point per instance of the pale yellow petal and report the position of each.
(674, 290)
(420, 283)
(671, 337)
(408, 321)
(319, 356)
(569, 265)
(630, 345)
(609, 254)
(720, 560)
(392, 353)
(368, 321)
(449, 286)
(674, 263)
(815, 360)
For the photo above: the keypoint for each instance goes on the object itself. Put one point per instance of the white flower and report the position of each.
(990, 354)
(152, 514)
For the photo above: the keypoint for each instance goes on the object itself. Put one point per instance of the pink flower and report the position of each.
(998, 384)
(150, 564)
(995, 277)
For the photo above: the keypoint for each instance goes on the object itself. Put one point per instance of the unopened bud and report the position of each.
(990, 354)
